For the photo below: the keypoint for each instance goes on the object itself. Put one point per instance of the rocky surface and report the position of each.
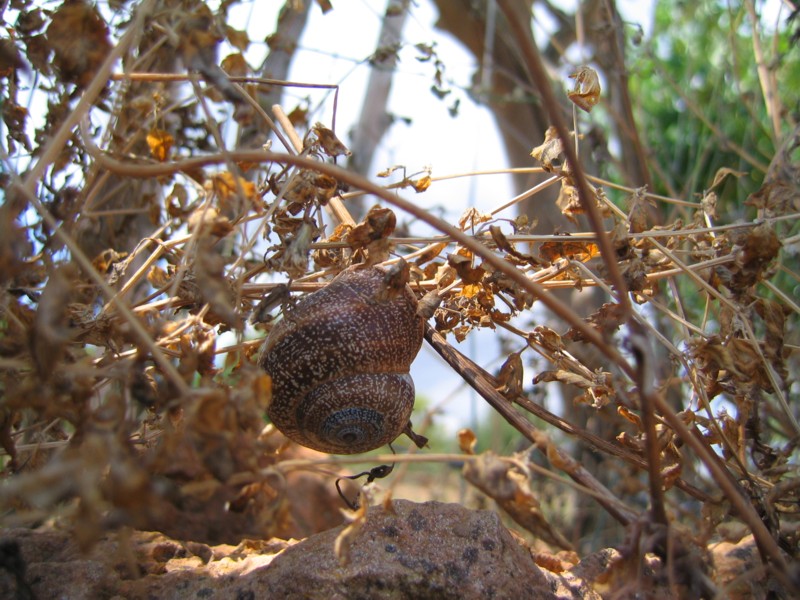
(430, 550)
(399, 550)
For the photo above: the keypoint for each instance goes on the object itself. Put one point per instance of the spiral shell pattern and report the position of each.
(339, 362)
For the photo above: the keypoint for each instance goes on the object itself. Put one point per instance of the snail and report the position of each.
(339, 362)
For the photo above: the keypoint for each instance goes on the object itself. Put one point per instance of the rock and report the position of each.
(430, 550)
(740, 573)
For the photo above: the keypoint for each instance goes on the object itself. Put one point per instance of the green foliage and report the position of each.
(699, 101)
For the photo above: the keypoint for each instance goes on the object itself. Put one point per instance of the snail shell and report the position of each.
(339, 362)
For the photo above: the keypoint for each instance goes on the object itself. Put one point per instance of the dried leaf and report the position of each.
(586, 93)
(550, 150)
(464, 269)
(571, 249)
(379, 223)
(427, 305)
(51, 328)
(511, 375)
(237, 38)
(104, 261)
(78, 36)
(160, 143)
(328, 141)
(467, 441)
(278, 296)
(396, 279)
(723, 173)
(606, 320)
(227, 187)
(235, 65)
(637, 213)
(207, 220)
(430, 253)
(504, 245)
(776, 198)
(547, 338)
(569, 201)
(472, 217)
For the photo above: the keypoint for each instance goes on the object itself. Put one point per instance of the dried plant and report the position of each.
(138, 234)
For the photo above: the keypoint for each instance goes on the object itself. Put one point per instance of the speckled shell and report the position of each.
(339, 362)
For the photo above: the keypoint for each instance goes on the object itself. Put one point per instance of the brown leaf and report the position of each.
(227, 187)
(78, 36)
(467, 440)
(430, 253)
(235, 65)
(237, 38)
(472, 217)
(104, 261)
(511, 375)
(637, 213)
(207, 220)
(550, 150)
(421, 184)
(396, 278)
(722, 173)
(571, 249)
(774, 316)
(547, 338)
(427, 305)
(295, 249)
(215, 288)
(776, 197)
(586, 93)
(160, 143)
(379, 223)
(328, 141)
(464, 269)
(504, 245)
(569, 201)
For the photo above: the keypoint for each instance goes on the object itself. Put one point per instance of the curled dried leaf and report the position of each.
(511, 373)
(427, 305)
(421, 184)
(372, 234)
(208, 221)
(586, 93)
(550, 150)
(327, 140)
(160, 143)
(472, 217)
(226, 186)
(467, 441)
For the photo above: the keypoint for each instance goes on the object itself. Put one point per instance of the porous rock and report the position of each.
(430, 550)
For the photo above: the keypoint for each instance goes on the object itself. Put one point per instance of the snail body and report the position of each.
(339, 362)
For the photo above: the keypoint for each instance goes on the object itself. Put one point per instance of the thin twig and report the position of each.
(517, 23)
(472, 374)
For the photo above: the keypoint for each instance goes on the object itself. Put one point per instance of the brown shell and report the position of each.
(339, 362)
